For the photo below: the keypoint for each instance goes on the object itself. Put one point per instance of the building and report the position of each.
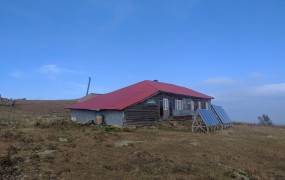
(143, 103)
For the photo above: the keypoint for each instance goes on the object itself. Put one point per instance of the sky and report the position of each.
(233, 50)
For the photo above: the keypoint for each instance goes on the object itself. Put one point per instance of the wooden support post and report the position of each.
(194, 123)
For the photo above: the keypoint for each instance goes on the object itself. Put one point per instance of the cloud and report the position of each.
(245, 102)
(220, 81)
(16, 75)
(247, 98)
(50, 69)
(256, 75)
(270, 90)
(245, 93)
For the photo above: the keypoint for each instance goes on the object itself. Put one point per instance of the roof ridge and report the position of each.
(174, 85)
(126, 87)
(180, 86)
(148, 82)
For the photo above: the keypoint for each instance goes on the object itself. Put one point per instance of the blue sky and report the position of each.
(233, 50)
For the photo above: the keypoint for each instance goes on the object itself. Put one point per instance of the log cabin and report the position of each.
(140, 104)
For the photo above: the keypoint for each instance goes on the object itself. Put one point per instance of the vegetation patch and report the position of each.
(10, 164)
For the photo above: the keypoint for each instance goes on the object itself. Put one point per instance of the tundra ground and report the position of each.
(38, 142)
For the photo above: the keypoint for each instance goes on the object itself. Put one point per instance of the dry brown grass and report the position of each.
(57, 149)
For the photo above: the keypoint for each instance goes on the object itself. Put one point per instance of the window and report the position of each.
(207, 105)
(192, 105)
(199, 105)
(204, 105)
(165, 104)
(196, 105)
(187, 105)
(178, 105)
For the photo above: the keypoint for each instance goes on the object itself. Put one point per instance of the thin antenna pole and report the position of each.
(88, 87)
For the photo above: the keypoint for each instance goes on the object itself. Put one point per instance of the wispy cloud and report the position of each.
(277, 89)
(248, 101)
(256, 75)
(53, 70)
(50, 69)
(16, 75)
(245, 93)
(248, 97)
(219, 81)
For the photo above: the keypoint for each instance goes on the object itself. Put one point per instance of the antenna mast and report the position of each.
(88, 87)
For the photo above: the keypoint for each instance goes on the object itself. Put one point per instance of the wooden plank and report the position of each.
(142, 113)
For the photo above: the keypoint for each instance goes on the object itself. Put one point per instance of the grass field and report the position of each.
(37, 142)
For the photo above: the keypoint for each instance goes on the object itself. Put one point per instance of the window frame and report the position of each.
(178, 104)
(165, 104)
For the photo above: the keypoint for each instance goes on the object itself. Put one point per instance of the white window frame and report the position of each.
(165, 104)
(192, 105)
(199, 105)
(207, 105)
(178, 105)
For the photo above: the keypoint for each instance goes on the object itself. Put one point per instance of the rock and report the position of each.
(47, 154)
(194, 143)
(239, 174)
(270, 137)
(63, 140)
(126, 143)
(173, 123)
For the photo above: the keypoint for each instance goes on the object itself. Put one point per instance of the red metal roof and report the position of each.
(125, 97)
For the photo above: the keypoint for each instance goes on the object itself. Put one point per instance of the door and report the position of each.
(165, 109)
